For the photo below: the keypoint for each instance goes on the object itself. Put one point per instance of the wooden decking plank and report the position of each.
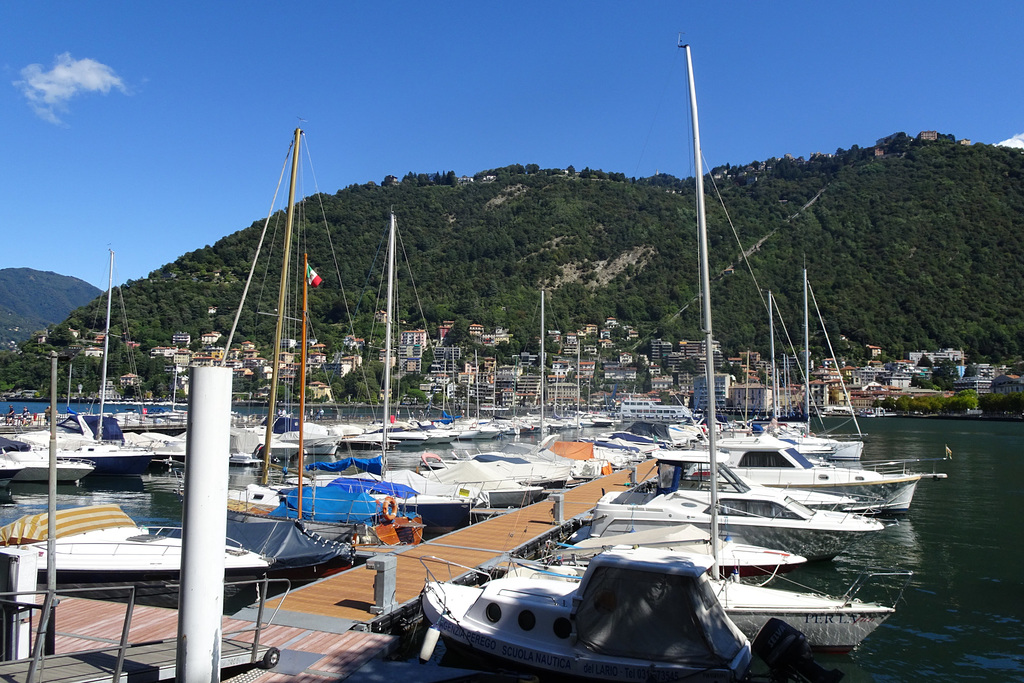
(349, 595)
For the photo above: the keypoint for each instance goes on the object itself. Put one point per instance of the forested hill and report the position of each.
(915, 245)
(30, 300)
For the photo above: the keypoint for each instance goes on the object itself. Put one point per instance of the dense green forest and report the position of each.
(912, 245)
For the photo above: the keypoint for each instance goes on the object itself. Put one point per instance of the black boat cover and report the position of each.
(286, 542)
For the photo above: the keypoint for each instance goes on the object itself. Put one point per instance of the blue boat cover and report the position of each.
(329, 504)
(374, 465)
(494, 457)
(9, 446)
(111, 430)
(286, 542)
(385, 488)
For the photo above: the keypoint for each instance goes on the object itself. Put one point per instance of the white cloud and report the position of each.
(1016, 141)
(48, 92)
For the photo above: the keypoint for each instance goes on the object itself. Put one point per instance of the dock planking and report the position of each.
(349, 595)
(318, 648)
(89, 631)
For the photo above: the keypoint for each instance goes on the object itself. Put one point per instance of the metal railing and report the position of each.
(13, 604)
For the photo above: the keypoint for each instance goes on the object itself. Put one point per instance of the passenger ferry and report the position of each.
(652, 411)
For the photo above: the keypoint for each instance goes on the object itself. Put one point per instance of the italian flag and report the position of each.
(312, 278)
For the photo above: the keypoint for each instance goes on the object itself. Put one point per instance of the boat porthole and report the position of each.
(562, 627)
(526, 620)
(493, 612)
(860, 478)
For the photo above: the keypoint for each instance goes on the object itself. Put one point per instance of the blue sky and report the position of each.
(154, 129)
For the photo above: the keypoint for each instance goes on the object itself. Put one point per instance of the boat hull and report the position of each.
(813, 543)
(440, 517)
(448, 608)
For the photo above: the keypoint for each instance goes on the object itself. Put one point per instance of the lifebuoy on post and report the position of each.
(389, 508)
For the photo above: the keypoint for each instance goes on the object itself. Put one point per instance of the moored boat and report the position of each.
(635, 615)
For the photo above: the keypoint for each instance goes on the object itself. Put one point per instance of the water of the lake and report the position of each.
(960, 619)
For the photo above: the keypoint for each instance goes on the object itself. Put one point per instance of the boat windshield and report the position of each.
(697, 476)
(797, 505)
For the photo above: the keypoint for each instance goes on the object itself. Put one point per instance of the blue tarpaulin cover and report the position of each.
(328, 504)
(373, 465)
(385, 488)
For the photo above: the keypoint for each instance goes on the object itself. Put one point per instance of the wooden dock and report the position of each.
(324, 631)
(345, 600)
(89, 632)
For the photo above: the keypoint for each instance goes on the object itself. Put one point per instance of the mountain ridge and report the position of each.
(30, 300)
(911, 244)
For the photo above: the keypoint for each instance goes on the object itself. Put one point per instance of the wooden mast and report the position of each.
(276, 360)
(302, 378)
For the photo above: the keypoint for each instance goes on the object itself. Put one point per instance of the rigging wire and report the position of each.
(259, 246)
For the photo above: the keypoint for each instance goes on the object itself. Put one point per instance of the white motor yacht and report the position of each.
(771, 462)
(755, 515)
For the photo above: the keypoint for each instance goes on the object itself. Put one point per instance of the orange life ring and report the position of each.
(389, 508)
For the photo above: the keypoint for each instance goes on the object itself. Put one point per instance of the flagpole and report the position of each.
(302, 380)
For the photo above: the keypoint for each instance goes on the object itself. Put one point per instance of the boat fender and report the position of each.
(429, 643)
(389, 508)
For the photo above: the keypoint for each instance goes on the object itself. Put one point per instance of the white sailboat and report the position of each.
(848, 619)
(107, 451)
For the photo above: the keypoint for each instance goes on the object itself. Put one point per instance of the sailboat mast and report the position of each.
(705, 279)
(282, 291)
(807, 360)
(106, 347)
(543, 373)
(387, 342)
(775, 377)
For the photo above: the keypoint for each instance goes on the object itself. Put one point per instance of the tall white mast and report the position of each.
(705, 279)
(775, 376)
(543, 371)
(807, 360)
(387, 342)
(106, 348)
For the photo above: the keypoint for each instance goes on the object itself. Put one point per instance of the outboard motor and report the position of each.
(785, 650)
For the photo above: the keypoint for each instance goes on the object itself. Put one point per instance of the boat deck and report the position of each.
(89, 631)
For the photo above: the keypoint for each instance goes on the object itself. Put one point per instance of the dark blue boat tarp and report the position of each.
(10, 446)
(494, 457)
(328, 504)
(385, 488)
(72, 424)
(374, 465)
(286, 542)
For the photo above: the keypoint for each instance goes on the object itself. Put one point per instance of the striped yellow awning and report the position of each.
(32, 528)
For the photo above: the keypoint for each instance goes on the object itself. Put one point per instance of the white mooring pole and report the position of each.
(204, 525)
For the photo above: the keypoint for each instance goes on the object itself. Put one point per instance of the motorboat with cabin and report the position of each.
(751, 514)
(635, 615)
(769, 461)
